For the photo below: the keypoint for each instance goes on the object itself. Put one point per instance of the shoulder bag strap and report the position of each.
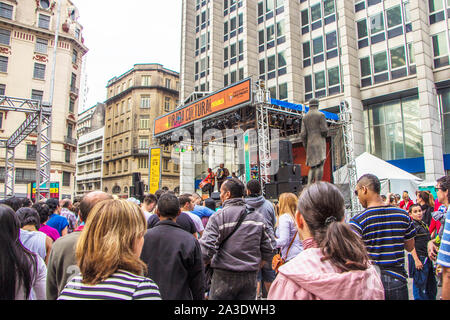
(287, 252)
(241, 219)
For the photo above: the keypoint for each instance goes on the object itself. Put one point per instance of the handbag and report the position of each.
(208, 270)
(277, 260)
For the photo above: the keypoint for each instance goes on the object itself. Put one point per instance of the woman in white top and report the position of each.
(34, 240)
(22, 273)
(286, 230)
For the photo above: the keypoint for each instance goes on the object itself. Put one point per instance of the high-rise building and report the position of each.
(134, 100)
(27, 33)
(90, 132)
(388, 59)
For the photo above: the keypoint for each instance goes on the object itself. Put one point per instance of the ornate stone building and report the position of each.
(27, 33)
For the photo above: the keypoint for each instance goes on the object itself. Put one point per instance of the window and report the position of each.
(3, 64)
(283, 91)
(366, 79)
(281, 59)
(143, 163)
(45, 4)
(66, 179)
(319, 80)
(271, 63)
(392, 129)
(308, 83)
(411, 56)
(41, 45)
(317, 45)
(5, 37)
(145, 102)
(316, 13)
(380, 62)
(436, 10)
(305, 17)
(270, 31)
(146, 80)
(2, 89)
(444, 97)
(143, 143)
(333, 76)
(39, 71)
(331, 40)
(44, 21)
(168, 83)
(262, 66)
(393, 16)
(233, 76)
(144, 122)
(398, 58)
(362, 28)
(166, 104)
(71, 104)
(440, 49)
(269, 5)
(306, 54)
(67, 156)
(74, 56)
(31, 152)
(166, 164)
(37, 95)
(376, 23)
(6, 10)
(328, 7)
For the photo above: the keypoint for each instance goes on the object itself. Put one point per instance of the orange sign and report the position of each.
(221, 100)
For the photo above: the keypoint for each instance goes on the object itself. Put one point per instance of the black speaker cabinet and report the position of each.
(291, 187)
(289, 172)
(285, 152)
(136, 177)
(271, 190)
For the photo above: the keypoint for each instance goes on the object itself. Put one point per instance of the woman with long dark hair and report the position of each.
(426, 201)
(334, 263)
(22, 273)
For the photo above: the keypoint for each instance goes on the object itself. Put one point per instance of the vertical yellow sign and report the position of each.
(155, 169)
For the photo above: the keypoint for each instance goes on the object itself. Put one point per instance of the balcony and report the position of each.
(74, 91)
(70, 140)
(140, 151)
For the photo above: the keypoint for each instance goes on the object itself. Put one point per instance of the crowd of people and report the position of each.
(241, 247)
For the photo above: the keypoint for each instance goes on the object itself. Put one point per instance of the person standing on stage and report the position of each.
(222, 174)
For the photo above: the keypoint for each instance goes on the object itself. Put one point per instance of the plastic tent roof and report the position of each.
(368, 163)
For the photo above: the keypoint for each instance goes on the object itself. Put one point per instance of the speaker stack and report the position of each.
(137, 187)
(288, 178)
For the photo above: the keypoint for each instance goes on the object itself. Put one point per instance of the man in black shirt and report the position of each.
(173, 256)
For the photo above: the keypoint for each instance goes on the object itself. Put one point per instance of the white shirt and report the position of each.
(197, 221)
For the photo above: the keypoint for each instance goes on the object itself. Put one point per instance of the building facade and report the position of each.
(27, 33)
(134, 100)
(389, 60)
(90, 131)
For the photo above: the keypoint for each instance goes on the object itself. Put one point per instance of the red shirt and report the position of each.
(402, 204)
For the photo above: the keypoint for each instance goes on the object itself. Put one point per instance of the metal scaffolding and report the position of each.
(262, 99)
(345, 116)
(38, 118)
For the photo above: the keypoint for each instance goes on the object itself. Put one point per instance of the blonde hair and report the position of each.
(108, 239)
(287, 204)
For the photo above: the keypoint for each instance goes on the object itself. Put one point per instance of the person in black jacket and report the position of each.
(173, 256)
(426, 202)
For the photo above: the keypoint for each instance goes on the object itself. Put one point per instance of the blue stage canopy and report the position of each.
(301, 107)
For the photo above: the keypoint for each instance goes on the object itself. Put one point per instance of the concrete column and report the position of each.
(432, 143)
(350, 75)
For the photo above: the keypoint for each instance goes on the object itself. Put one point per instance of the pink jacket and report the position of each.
(307, 278)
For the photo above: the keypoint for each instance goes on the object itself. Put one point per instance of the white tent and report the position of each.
(392, 178)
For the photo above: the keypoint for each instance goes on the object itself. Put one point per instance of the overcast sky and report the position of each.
(120, 34)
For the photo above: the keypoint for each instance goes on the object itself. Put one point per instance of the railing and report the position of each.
(70, 140)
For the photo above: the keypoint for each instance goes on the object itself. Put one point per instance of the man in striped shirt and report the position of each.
(386, 231)
(443, 258)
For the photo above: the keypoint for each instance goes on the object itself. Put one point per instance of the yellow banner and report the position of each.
(155, 169)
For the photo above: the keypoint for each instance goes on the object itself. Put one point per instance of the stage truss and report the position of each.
(38, 120)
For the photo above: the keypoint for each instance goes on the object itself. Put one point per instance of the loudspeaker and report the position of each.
(289, 172)
(271, 190)
(215, 196)
(139, 187)
(285, 152)
(292, 187)
(136, 177)
(132, 191)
